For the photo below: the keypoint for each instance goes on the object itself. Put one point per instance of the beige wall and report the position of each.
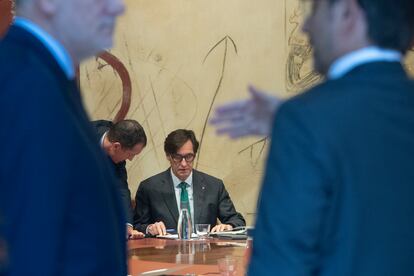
(177, 75)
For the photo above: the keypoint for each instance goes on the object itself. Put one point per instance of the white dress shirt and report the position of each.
(177, 189)
(57, 50)
(346, 63)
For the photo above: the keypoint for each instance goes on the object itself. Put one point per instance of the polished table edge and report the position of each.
(154, 260)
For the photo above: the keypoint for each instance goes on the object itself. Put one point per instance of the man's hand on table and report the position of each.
(157, 228)
(222, 227)
(133, 234)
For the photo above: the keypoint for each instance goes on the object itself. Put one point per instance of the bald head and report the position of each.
(84, 27)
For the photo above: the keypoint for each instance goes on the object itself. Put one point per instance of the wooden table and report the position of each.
(181, 257)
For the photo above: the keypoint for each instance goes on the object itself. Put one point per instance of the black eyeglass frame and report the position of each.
(178, 158)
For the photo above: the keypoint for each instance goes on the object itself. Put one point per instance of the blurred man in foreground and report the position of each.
(62, 214)
(337, 193)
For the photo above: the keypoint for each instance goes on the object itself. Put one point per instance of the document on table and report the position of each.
(175, 236)
(239, 234)
(230, 232)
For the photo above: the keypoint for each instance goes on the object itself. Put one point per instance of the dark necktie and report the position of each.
(184, 201)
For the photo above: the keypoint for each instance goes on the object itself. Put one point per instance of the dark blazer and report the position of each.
(156, 201)
(61, 214)
(338, 194)
(103, 126)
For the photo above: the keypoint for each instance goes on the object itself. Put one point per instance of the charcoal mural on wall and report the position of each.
(299, 72)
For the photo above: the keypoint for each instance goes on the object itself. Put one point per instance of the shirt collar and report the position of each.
(177, 181)
(60, 54)
(351, 60)
(103, 139)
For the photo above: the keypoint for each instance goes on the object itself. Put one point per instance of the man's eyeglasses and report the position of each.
(178, 157)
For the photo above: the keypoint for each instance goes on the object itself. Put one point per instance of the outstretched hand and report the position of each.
(252, 116)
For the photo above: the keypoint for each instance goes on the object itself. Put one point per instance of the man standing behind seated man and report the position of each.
(158, 197)
(121, 141)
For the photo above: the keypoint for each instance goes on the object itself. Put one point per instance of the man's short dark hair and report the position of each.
(176, 139)
(390, 22)
(128, 133)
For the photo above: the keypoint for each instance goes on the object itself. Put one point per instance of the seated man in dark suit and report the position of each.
(121, 141)
(158, 198)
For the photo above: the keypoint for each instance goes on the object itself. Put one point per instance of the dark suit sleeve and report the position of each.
(125, 192)
(293, 200)
(54, 201)
(227, 211)
(142, 214)
(36, 195)
(102, 126)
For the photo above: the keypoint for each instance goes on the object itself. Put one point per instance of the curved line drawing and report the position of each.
(150, 100)
(218, 43)
(225, 39)
(175, 78)
(123, 73)
(157, 106)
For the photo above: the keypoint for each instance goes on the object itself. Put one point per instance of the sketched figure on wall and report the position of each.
(299, 74)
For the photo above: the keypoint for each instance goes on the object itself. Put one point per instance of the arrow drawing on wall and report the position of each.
(251, 148)
(225, 40)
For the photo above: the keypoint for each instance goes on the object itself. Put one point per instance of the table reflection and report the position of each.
(205, 252)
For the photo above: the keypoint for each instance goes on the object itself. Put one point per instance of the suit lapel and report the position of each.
(169, 195)
(199, 189)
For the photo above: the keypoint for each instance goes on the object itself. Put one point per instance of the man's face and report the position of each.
(86, 27)
(121, 154)
(321, 26)
(182, 161)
